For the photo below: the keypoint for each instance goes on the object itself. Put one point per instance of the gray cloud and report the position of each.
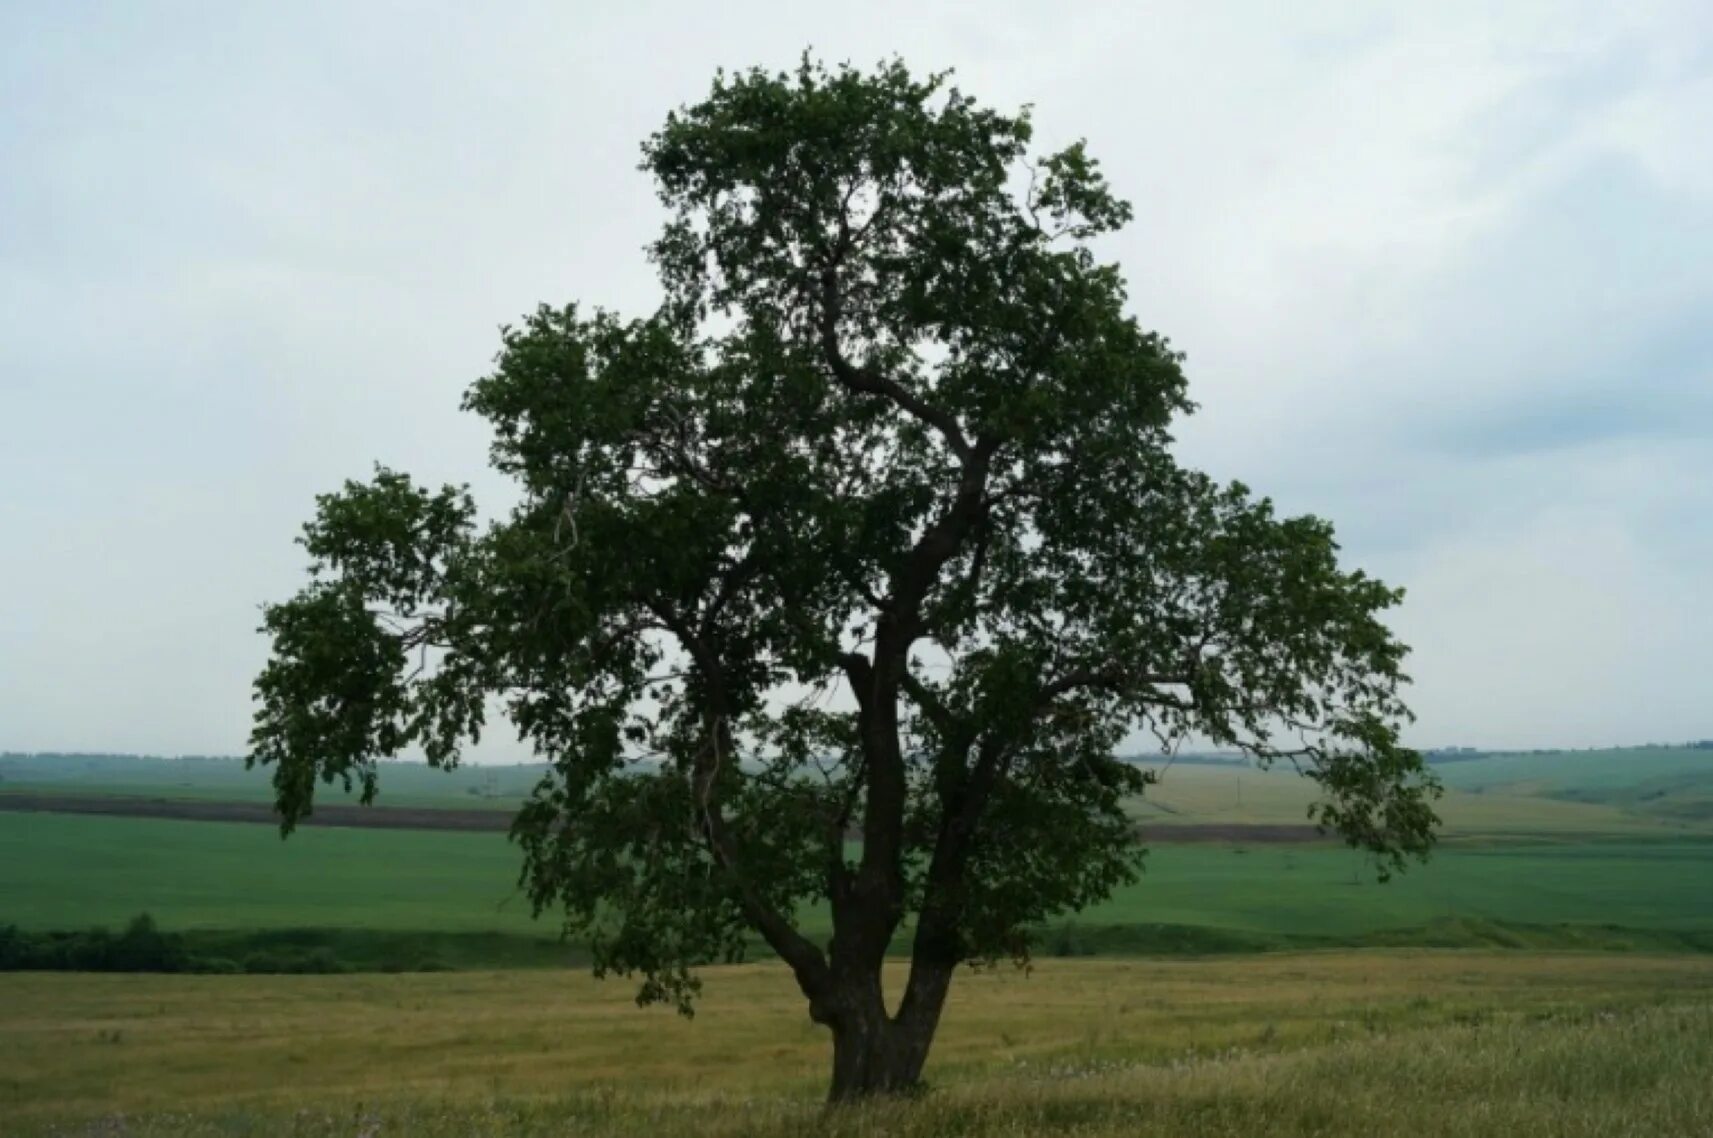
(1440, 271)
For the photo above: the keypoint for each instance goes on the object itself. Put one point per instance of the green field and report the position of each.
(1344, 1043)
(1540, 851)
(61, 872)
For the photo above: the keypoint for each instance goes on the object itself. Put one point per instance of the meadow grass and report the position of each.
(1377, 1042)
(1336, 1043)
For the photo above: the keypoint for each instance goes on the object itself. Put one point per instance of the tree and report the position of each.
(839, 578)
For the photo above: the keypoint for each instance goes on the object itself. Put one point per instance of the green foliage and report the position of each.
(872, 529)
(143, 947)
(140, 947)
(317, 961)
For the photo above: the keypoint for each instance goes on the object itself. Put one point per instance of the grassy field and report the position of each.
(1673, 785)
(62, 872)
(1635, 793)
(1395, 1040)
(1399, 1042)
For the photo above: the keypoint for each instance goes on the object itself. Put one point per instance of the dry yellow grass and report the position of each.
(295, 1054)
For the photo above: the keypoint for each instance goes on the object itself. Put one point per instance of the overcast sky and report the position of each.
(1444, 275)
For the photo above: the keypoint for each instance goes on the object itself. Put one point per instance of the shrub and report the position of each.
(217, 965)
(142, 947)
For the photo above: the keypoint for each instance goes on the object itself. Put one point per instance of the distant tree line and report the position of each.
(142, 947)
(1459, 754)
(126, 756)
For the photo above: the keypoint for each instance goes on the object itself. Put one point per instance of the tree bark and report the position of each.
(875, 1054)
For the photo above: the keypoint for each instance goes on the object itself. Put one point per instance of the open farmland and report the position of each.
(1538, 850)
(225, 780)
(1365, 1028)
(1404, 1042)
(1669, 784)
(1200, 795)
(61, 872)
(1638, 792)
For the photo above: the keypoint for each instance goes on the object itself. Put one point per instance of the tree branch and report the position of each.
(805, 959)
(1110, 679)
(860, 673)
(927, 703)
(869, 381)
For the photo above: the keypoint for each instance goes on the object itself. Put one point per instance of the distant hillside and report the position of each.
(1438, 755)
(1668, 783)
(1642, 791)
(1632, 791)
(403, 783)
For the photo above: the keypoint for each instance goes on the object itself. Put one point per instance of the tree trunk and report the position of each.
(867, 1061)
(873, 1056)
(876, 1054)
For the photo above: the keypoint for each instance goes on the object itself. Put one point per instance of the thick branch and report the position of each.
(941, 541)
(860, 673)
(927, 703)
(899, 626)
(867, 380)
(805, 959)
(936, 949)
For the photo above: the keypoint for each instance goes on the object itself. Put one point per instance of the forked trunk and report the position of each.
(876, 1054)
(873, 1059)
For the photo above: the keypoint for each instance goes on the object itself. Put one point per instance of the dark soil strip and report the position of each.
(498, 821)
(192, 810)
(1231, 833)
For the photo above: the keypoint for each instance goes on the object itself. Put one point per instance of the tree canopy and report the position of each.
(841, 578)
